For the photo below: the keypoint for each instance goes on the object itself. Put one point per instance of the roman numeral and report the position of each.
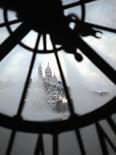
(39, 146)
(104, 137)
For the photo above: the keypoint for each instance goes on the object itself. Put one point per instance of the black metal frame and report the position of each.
(74, 122)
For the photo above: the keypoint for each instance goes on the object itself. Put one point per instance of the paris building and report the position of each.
(54, 88)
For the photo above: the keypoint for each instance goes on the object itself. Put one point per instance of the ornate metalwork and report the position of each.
(57, 25)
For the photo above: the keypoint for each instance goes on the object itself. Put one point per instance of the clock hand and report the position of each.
(82, 28)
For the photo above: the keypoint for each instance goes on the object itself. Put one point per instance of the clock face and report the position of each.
(58, 75)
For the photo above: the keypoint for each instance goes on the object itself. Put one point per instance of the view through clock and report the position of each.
(55, 79)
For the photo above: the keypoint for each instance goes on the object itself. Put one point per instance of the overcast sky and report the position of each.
(82, 75)
(96, 12)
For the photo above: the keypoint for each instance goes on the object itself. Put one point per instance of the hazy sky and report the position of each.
(100, 12)
(96, 12)
(82, 75)
(79, 75)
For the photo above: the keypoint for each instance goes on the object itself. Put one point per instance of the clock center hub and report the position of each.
(43, 15)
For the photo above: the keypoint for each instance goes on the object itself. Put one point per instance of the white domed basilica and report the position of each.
(52, 80)
(54, 88)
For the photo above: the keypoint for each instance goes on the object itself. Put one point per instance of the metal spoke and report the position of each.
(13, 40)
(44, 42)
(80, 142)
(55, 144)
(112, 124)
(71, 108)
(96, 59)
(11, 142)
(10, 23)
(104, 136)
(39, 146)
(78, 3)
(101, 27)
(21, 105)
(104, 148)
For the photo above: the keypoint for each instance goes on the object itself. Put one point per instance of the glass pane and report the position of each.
(1, 16)
(90, 140)
(24, 143)
(105, 46)
(4, 138)
(102, 12)
(46, 99)
(48, 144)
(11, 15)
(72, 10)
(89, 87)
(68, 1)
(15, 26)
(68, 144)
(108, 130)
(13, 72)
(3, 34)
(3, 31)
(30, 39)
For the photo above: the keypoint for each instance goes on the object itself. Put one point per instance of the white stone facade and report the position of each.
(52, 80)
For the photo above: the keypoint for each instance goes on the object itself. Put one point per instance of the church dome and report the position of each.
(54, 80)
(54, 77)
(48, 69)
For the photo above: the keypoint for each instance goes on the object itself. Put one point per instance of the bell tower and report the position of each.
(48, 74)
(40, 70)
